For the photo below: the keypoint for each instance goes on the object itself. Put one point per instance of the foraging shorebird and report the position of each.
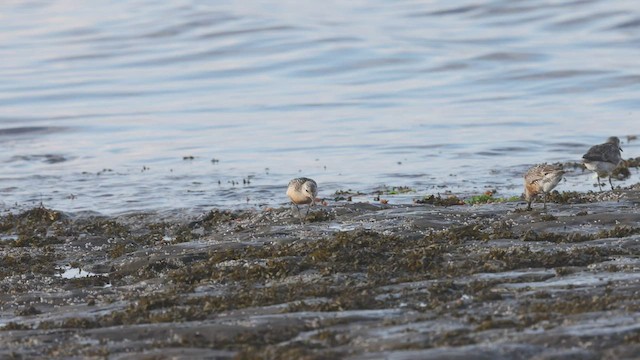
(603, 159)
(541, 179)
(302, 191)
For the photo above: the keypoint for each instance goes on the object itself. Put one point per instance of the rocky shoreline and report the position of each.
(358, 280)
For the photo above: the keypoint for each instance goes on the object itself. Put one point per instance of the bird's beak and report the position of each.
(620, 148)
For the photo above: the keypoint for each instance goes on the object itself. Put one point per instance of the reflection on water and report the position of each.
(102, 101)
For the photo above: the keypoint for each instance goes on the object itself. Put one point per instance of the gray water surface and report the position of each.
(100, 102)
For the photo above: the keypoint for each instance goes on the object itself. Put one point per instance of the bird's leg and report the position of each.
(298, 208)
(600, 186)
(529, 205)
(612, 189)
(309, 208)
(544, 201)
(610, 182)
(300, 215)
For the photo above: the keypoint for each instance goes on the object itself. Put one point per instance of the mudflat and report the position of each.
(357, 280)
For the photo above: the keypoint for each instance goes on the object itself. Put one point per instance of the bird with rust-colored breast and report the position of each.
(302, 191)
(541, 179)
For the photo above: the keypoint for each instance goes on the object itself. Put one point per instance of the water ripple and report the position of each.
(354, 94)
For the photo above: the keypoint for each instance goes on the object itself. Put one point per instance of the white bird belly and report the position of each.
(600, 167)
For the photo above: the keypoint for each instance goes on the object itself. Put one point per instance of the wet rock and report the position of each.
(355, 281)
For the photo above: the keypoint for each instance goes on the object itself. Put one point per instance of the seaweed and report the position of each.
(488, 198)
(437, 200)
(12, 325)
(27, 263)
(263, 265)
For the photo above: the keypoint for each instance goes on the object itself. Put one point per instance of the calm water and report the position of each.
(101, 101)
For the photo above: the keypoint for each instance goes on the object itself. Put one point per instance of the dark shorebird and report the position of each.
(541, 179)
(603, 159)
(302, 191)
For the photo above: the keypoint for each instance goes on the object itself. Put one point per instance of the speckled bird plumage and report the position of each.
(541, 179)
(302, 191)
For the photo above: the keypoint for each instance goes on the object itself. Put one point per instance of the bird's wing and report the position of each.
(603, 152)
(531, 177)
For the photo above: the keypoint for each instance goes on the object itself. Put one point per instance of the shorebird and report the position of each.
(541, 179)
(302, 191)
(603, 159)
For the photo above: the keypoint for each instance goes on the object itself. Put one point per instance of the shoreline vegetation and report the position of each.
(435, 279)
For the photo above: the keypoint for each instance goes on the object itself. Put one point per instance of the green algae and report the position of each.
(489, 198)
(451, 200)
